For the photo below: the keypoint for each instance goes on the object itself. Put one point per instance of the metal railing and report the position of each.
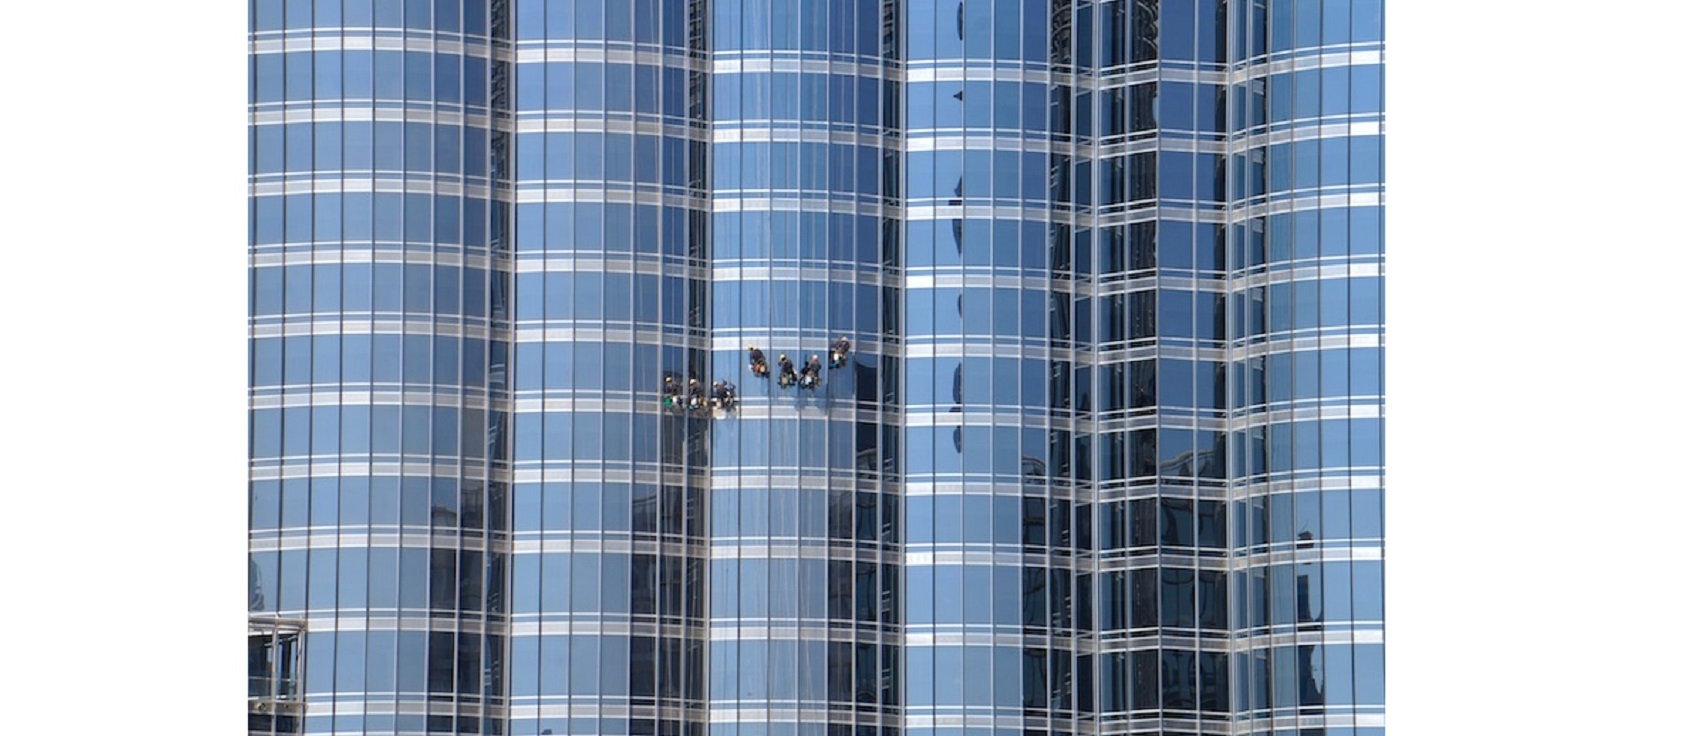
(274, 705)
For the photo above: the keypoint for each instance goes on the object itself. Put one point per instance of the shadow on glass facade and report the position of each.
(1105, 456)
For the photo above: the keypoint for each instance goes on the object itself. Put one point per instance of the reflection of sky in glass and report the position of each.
(1116, 315)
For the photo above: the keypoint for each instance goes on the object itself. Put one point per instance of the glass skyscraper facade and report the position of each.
(1106, 456)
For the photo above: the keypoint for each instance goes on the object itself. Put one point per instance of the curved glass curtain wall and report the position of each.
(1306, 277)
(997, 607)
(1158, 209)
(1108, 458)
(608, 185)
(805, 557)
(378, 343)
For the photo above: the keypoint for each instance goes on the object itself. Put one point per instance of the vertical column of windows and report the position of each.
(997, 591)
(607, 174)
(1306, 274)
(804, 536)
(376, 506)
(1160, 367)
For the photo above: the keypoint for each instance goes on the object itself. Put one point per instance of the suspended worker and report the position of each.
(671, 393)
(785, 371)
(724, 395)
(839, 352)
(809, 375)
(756, 362)
(697, 397)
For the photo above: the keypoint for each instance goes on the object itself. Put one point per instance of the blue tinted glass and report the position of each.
(649, 215)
